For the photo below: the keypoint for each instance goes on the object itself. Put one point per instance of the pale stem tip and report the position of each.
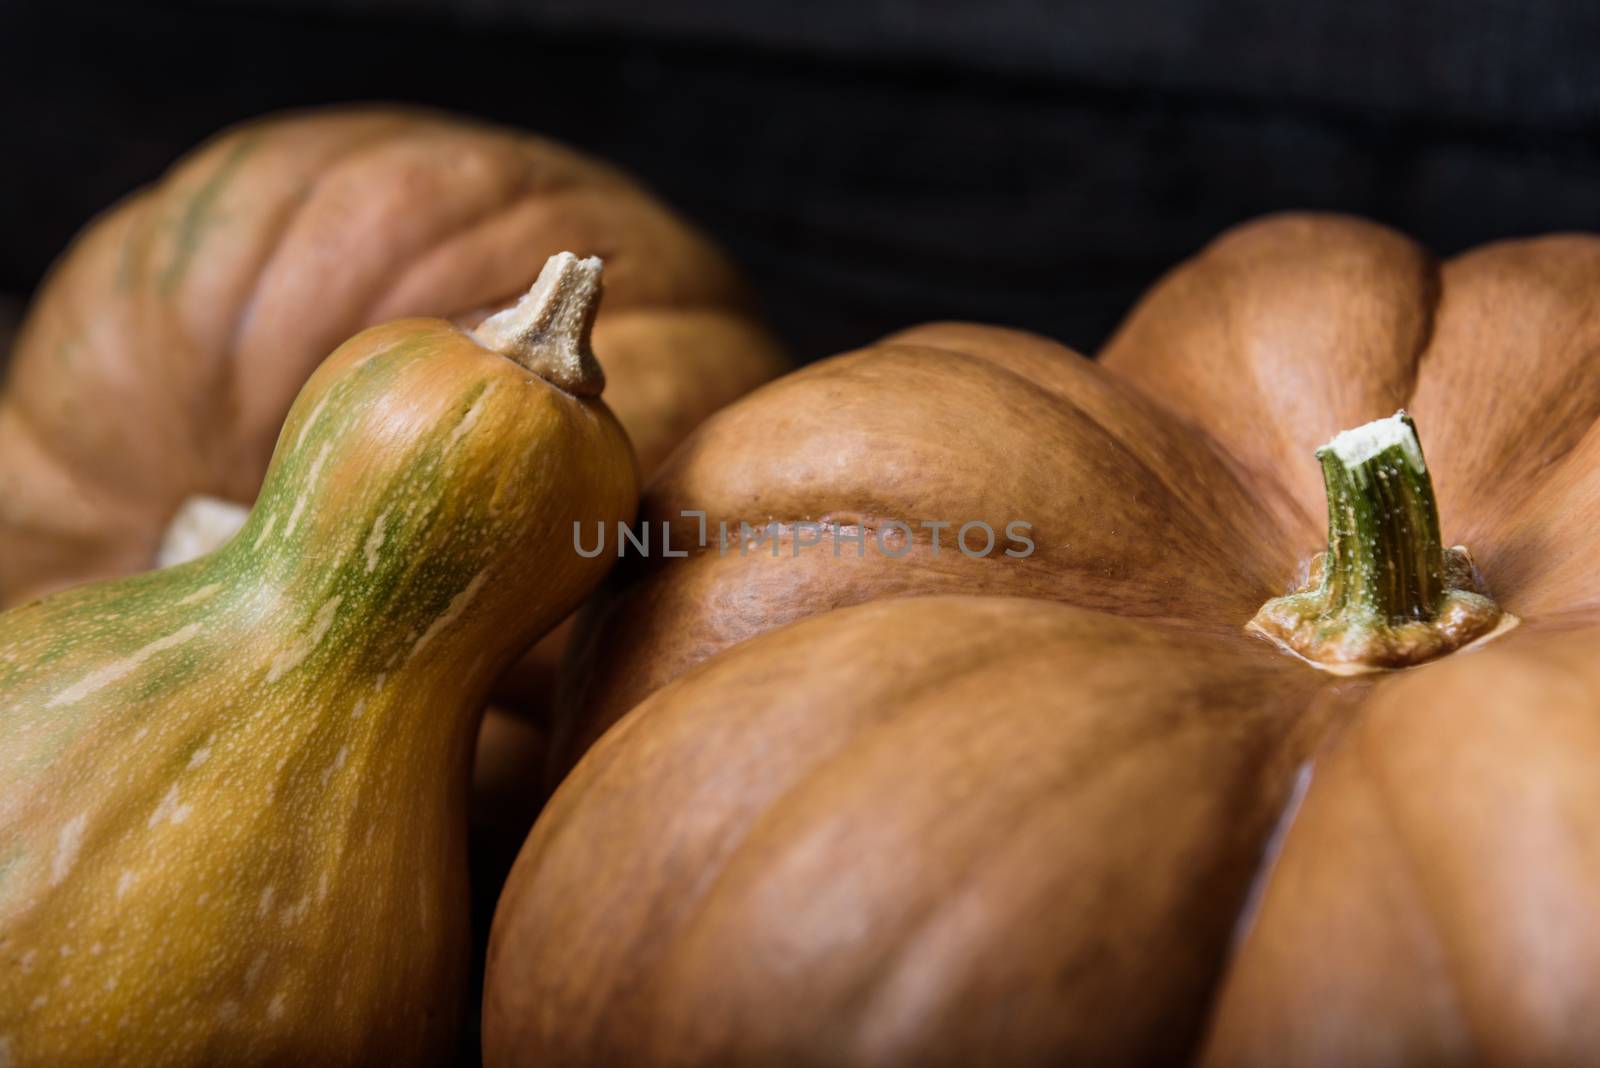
(547, 331)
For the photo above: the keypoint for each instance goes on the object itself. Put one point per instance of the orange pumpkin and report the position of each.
(162, 353)
(1062, 807)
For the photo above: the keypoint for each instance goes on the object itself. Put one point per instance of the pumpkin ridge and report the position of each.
(1266, 864)
(1195, 531)
(1514, 313)
(30, 419)
(192, 217)
(137, 203)
(1262, 398)
(417, 259)
(290, 213)
(1564, 486)
(1150, 408)
(1433, 294)
(281, 227)
(598, 763)
(982, 854)
(1526, 489)
(256, 134)
(900, 340)
(869, 523)
(136, 242)
(1426, 893)
(1245, 473)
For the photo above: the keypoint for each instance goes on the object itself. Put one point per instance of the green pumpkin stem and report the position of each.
(1383, 525)
(1387, 593)
(547, 331)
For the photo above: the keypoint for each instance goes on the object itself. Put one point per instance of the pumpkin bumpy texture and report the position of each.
(938, 810)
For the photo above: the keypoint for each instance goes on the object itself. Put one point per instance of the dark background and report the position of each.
(875, 162)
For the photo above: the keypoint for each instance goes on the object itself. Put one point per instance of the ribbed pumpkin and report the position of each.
(162, 353)
(232, 825)
(1064, 807)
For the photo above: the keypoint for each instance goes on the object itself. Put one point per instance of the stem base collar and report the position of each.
(1349, 643)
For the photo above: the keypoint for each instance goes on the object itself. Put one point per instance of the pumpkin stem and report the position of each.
(547, 331)
(1383, 523)
(1387, 593)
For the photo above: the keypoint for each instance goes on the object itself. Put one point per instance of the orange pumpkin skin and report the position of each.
(835, 845)
(164, 350)
(951, 854)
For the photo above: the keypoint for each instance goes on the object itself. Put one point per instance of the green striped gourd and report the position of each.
(232, 792)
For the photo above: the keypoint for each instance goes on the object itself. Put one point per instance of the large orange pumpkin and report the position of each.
(1061, 807)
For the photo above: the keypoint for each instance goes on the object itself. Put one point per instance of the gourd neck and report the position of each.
(1387, 592)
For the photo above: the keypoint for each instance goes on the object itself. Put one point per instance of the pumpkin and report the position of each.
(233, 812)
(162, 353)
(1099, 801)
